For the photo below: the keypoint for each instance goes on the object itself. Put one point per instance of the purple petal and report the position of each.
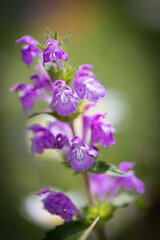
(83, 164)
(126, 165)
(43, 191)
(27, 39)
(18, 87)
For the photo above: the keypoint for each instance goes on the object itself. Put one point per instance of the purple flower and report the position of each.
(59, 204)
(100, 130)
(64, 98)
(44, 139)
(27, 95)
(29, 51)
(130, 181)
(81, 155)
(85, 83)
(42, 80)
(102, 184)
(53, 52)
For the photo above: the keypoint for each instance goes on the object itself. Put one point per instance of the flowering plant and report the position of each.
(69, 93)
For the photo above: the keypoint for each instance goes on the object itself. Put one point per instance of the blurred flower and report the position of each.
(101, 184)
(27, 95)
(85, 83)
(100, 130)
(33, 210)
(44, 139)
(59, 204)
(30, 50)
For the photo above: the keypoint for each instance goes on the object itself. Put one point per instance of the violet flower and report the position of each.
(100, 130)
(85, 83)
(59, 204)
(27, 95)
(102, 184)
(42, 79)
(29, 51)
(44, 139)
(64, 99)
(81, 155)
(53, 52)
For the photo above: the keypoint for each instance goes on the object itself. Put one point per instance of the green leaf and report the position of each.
(86, 233)
(47, 34)
(70, 74)
(38, 113)
(139, 203)
(63, 231)
(56, 35)
(122, 200)
(40, 47)
(105, 168)
(66, 39)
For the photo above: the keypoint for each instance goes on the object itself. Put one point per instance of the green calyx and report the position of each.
(103, 210)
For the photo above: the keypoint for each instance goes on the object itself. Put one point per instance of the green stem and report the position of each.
(90, 196)
(100, 231)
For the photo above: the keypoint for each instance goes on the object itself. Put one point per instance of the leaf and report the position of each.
(38, 113)
(63, 231)
(122, 200)
(139, 203)
(66, 39)
(105, 168)
(70, 74)
(86, 233)
(40, 47)
(47, 34)
(56, 35)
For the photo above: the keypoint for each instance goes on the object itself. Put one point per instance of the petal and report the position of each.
(51, 42)
(86, 125)
(85, 66)
(80, 90)
(27, 39)
(18, 87)
(126, 165)
(84, 164)
(139, 185)
(65, 109)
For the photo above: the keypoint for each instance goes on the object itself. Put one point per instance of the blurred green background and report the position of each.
(121, 39)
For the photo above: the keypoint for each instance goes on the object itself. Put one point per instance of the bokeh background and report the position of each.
(121, 38)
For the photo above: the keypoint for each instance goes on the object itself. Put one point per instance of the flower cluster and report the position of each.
(66, 92)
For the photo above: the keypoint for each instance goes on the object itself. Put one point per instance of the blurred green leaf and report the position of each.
(86, 233)
(38, 113)
(122, 200)
(140, 204)
(70, 74)
(63, 231)
(56, 35)
(40, 47)
(47, 34)
(66, 39)
(105, 168)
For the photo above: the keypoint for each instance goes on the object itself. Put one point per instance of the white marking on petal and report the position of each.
(64, 98)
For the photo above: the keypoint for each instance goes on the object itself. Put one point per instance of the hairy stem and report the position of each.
(90, 196)
(101, 233)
